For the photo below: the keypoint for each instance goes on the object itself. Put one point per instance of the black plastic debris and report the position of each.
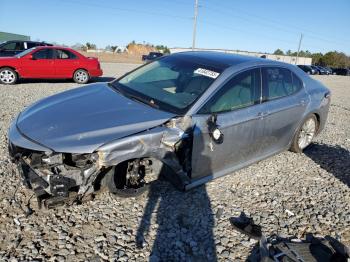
(276, 248)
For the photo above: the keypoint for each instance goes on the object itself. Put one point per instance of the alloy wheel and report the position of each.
(81, 76)
(307, 133)
(7, 76)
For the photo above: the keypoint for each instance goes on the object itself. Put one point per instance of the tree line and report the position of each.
(332, 59)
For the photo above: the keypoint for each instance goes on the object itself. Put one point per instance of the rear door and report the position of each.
(284, 104)
(65, 63)
(40, 66)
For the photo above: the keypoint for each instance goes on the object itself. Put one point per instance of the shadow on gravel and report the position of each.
(184, 224)
(333, 159)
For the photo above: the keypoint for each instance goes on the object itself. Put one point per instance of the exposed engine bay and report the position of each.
(125, 166)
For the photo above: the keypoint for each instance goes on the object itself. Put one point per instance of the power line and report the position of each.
(271, 23)
(152, 13)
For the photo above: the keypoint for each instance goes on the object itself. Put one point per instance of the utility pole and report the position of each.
(194, 24)
(301, 38)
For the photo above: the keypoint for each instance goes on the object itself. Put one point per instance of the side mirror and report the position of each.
(214, 130)
(31, 57)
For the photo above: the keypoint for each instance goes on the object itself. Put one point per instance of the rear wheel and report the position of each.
(81, 76)
(8, 76)
(305, 134)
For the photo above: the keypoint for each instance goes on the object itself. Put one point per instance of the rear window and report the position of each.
(64, 54)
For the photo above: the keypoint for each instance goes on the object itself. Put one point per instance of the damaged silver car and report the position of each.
(188, 117)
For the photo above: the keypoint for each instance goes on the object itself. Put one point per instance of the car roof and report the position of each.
(220, 59)
(54, 47)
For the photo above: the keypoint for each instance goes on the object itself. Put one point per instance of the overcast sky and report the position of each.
(252, 25)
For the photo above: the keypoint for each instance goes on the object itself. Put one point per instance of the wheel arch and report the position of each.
(13, 68)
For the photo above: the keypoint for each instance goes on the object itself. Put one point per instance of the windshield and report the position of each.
(23, 53)
(170, 84)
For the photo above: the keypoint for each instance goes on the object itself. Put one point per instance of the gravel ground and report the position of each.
(167, 225)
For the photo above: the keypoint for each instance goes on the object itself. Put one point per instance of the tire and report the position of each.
(8, 76)
(306, 132)
(116, 184)
(81, 76)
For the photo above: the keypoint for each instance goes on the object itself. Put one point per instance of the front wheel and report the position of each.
(305, 134)
(8, 76)
(81, 76)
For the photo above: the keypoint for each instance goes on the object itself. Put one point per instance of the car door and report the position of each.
(65, 63)
(236, 107)
(39, 64)
(284, 104)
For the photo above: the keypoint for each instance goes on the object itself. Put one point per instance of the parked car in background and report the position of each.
(329, 70)
(342, 71)
(188, 117)
(151, 56)
(322, 71)
(49, 62)
(317, 70)
(307, 69)
(11, 48)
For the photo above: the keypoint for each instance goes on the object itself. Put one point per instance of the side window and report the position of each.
(31, 45)
(241, 91)
(297, 83)
(277, 82)
(9, 46)
(64, 54)
(43, 54)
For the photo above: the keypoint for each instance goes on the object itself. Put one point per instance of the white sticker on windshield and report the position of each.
(206, 72)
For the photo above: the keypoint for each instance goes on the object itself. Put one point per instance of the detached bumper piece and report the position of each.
(56, 179)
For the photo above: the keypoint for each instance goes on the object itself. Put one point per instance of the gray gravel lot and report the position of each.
(174, 226)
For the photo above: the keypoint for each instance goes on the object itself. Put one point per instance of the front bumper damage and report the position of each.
(58, 178)
(55, 178)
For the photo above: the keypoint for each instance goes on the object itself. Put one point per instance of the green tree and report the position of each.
(316, 57)
(278, 52)
(162, 48)
(90, 46)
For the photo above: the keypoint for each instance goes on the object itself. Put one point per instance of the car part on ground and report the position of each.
(208, 115)
(277, 248)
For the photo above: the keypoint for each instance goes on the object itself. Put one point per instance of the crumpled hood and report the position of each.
(82, 119)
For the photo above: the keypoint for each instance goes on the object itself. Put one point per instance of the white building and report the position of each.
(282, 58)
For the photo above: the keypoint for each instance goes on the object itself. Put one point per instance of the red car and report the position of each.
(49, 62)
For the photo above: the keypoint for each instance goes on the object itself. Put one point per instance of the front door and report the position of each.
(39, 65)
(237, 108)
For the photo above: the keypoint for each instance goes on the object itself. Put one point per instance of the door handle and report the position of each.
(262, 114)
(302, 102)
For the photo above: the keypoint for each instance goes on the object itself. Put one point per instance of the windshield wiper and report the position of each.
(133, 97)
(144, 101)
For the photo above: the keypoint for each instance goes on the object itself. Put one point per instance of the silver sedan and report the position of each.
(189, 117)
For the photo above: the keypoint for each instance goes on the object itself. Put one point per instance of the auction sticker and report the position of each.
(206, 72)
